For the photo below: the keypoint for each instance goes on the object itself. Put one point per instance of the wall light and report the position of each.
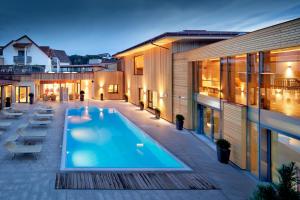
(163, 95)
(289, 72)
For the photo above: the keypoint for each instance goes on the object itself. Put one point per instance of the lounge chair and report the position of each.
(35, 122)
(14, 110)
(5, 125)
(11, 114)
(31, 134)
(14, 148)
(43, 115)
(45, 109)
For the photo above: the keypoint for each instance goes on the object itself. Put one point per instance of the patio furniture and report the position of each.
(29, 134)
(11, 114)
(45, 109)
(4, 125)
(43, 115)
(36, 122)
(15, 148)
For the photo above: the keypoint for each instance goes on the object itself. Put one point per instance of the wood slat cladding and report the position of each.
(59, 76)
(234, 130)
(103, 79)
(157, 76)
(278, 36)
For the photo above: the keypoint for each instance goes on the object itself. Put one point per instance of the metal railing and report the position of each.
(21, 59)
(21, 69)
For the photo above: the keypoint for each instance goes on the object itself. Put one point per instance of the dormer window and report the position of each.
(21, 53)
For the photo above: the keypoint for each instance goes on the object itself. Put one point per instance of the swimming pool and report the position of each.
(103, 139)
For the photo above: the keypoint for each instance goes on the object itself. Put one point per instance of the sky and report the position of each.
(95, 26)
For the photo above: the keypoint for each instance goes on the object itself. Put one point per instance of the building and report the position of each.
(148, 67)
(245, 89)
(26, 67)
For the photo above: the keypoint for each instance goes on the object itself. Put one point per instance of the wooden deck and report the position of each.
(132, 181)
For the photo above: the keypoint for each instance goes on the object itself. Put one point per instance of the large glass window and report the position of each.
(253, 148)
(253, 72)
(210, 122)
(284, 150)
(139, 65)
(112, 88)
(209, 77)
(152, 99)
(22, 93)
(280, 81)
(236, 71)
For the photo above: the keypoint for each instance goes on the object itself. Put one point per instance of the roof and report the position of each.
(188, 34)
(61, 55)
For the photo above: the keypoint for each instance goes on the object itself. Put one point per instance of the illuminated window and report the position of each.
(112, 88)
(138, 65)
(152, 99)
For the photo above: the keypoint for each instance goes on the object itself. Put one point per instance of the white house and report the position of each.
(25, 51)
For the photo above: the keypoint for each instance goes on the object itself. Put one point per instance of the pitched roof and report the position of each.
(196, 34)
(61, 55)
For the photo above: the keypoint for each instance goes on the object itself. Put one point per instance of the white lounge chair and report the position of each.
(31, 134)
(35, 122)
(14, 110)
(43, 115)
(14, 148)
(11, 114)
(5, 125)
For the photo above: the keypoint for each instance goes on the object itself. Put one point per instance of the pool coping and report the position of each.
(185, 167)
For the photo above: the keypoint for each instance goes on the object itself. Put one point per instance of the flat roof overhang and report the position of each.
(162, 41)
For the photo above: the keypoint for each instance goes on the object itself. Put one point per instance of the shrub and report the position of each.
(284, 190)
(264, 192)
(223, 144)
(179, 117)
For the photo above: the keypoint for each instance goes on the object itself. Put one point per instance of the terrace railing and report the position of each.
(21, 69)
(21, 59)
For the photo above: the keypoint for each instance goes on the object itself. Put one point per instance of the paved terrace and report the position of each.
(26, 178)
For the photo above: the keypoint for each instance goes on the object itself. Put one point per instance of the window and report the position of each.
(280, 81)
(150, 99)
(253, 60)
(138, 65)
(112, 88)
(21, 53)
(209, 77)
(141, 94)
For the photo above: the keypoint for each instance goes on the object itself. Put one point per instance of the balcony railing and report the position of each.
(21, 59)
(21, 69)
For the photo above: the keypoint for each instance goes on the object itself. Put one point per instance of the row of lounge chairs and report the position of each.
(27, 132)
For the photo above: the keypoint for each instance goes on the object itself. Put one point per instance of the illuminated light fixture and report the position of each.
(163, 95)
(278, 91)
(139, 145)
(208, 124)
(181, 97)
(289, 72)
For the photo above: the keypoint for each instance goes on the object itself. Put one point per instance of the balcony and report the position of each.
(21, 69)
(21, 60)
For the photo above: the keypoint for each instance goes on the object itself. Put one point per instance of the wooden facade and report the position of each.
(157, 77)
(102, 82)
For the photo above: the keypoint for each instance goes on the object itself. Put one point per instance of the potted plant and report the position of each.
(81, 95)
(141, 105)
(53, 97)
(71, 97)
(126, 98)
(7, 102)
(31, 95)
(157, 113)
(179, 122)
(223, 150)
(101, 96)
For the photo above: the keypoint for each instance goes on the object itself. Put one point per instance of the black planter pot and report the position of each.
(82, 97)
(7, 102)
(126, 99)
(179, 124)
(141, 107)
(157, 114)
(31, 100)
(223, 155)
(101, 96)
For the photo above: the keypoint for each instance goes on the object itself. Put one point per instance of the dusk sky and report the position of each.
(94, 26)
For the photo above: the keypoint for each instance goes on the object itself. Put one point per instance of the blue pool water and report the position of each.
(103, 139)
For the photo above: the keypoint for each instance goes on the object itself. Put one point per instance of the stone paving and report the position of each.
(27, 178)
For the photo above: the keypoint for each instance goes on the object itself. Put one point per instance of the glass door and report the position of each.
(22, 93)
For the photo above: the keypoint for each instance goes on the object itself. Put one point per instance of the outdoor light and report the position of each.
(163, 95)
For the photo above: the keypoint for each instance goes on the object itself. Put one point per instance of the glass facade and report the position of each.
(280, 81)
(209, 77)
(262, 81)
